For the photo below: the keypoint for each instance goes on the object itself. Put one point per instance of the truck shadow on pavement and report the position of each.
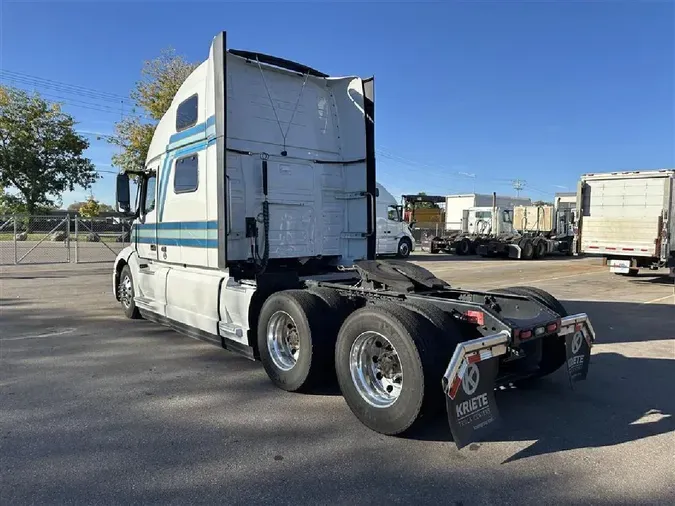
(627, 396)
(428, 257)
(652, 278)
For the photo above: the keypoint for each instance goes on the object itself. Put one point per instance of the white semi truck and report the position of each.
(254, 228)
(393, 234)
(536, 231)
(456, 205)
(628, 218)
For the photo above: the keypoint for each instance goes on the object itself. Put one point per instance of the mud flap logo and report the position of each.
(473, 411)
(578, 354)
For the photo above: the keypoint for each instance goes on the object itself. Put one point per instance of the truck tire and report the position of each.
(126, 292)
(526, 249)
(554, 353)
(296, 337)
(375, 348)
(448, 336)
(404, 248)
(463, 247)
(540, 249)
(338, 306)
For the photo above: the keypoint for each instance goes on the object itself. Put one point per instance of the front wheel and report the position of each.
(404, 248)
(126, 293)
(386, 366)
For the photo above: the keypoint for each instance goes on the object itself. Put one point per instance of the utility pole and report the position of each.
(518, 185)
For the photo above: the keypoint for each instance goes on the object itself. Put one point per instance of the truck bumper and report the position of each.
(469, 380)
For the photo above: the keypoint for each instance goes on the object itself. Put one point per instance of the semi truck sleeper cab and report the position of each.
(254, 228)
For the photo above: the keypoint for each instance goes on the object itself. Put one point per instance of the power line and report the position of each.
(73, 102)
(71, 88)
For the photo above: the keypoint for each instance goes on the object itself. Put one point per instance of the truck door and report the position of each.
(387, 230)
(395, 226)
(146, 225)
(146, 238)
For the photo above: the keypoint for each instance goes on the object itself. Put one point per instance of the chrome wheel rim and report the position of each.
(126, 291)
(283, 341)
(376, 369)
(403, 249)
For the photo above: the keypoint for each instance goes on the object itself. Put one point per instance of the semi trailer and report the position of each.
(254, 228)
(537, 231)
(455, 205)
(479, 225)
(627, 219)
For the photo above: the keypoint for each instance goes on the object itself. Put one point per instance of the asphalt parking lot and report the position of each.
(97, 409)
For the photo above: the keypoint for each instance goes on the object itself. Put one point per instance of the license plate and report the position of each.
(619, 266)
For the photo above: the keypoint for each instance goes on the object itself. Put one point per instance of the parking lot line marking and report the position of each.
(586, 273)
(659, 299)
(38, 336)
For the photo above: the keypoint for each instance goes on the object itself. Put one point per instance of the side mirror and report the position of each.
(122, 194)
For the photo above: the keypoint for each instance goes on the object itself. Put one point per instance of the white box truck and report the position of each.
(254, 228)
(628, 219)
(455, 205)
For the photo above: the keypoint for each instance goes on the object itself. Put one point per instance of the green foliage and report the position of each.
(90, 209)
(160, 80)
(41, 155)
(102, 208)
(134, 138)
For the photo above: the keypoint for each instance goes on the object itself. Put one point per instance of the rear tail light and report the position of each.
(552, 327)
(525, 334)
(476, 317)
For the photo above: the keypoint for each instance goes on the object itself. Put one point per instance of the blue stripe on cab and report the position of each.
(166, 169)
(197, 129)
(192, 140)
(181, 225)
(192, 243)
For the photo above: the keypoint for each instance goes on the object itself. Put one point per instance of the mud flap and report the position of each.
(469, 383)
(579, 338)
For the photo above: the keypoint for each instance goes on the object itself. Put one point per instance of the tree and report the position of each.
(41, 155)
(91, 208)
(160, 80)
(102, 208)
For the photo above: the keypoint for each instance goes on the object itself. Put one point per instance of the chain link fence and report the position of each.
(61, 239)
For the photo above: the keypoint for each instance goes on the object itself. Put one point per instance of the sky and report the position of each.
(469, 96)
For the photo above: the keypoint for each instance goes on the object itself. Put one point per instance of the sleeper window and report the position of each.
(186, 174)
(186, 114)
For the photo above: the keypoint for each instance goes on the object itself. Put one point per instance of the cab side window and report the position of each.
(150, 187)
(394, 213)
(187, 113)
(186, 174)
